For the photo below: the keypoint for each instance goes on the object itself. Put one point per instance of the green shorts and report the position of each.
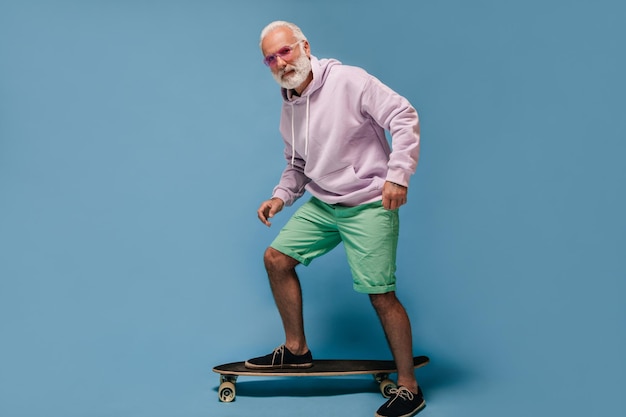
(369, 234)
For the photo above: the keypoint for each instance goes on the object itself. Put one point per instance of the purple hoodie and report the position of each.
(335, 142)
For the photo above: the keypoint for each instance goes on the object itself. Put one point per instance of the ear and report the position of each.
(307, 49)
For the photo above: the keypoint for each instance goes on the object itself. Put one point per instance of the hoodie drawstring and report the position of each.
(306, 134)
(293, 138)
(293, 132)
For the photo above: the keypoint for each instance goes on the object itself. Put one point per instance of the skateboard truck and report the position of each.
(226, 391)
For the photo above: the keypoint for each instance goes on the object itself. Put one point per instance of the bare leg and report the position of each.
(285, 285)
(397, 327)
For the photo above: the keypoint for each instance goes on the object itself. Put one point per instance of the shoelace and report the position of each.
(280, 350)
(401, 392)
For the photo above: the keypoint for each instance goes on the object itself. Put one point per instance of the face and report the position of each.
(292, 70)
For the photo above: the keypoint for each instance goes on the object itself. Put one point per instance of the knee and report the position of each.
(277, 261)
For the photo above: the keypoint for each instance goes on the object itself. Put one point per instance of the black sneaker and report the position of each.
(281, 358)
(403, 403)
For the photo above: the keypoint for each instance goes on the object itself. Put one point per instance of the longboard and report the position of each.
(229, 373)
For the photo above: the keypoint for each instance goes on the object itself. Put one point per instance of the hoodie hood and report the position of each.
(321, 69)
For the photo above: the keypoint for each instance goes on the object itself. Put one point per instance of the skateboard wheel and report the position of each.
(386, 386)
(227, 392)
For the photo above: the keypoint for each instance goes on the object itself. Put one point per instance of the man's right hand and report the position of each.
(268, 209)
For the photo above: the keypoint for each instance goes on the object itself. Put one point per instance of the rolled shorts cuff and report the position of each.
(365, 289)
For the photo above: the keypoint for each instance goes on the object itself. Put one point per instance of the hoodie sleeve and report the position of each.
(292, 181)
(395, 114)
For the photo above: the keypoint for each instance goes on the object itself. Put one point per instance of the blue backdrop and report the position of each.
(137, 139)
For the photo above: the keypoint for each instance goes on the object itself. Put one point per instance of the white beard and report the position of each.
(301, 69)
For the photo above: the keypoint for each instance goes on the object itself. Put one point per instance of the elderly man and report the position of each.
(333, 122)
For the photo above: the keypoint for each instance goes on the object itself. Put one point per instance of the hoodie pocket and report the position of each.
(342, 181)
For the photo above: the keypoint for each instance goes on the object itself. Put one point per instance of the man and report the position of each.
(333, 121)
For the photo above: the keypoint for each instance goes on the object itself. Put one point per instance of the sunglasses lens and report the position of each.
(284, 53)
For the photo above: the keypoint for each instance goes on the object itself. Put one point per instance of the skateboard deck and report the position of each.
(229, 372)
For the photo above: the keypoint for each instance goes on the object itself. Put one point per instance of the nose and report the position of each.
(280, 62)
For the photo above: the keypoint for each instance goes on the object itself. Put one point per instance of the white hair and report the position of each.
(295, 30)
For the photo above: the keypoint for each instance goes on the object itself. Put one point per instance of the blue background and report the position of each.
(137, 139)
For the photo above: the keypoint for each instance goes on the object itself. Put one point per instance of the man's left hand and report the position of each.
(394, 195)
